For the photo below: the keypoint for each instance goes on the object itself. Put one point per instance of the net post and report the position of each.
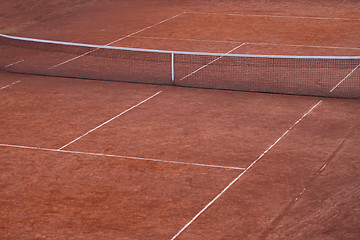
(173, 67)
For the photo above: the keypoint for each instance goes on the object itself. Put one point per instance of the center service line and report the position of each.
(127, 36)
(127, 110)
(212, 62)
(1, 88)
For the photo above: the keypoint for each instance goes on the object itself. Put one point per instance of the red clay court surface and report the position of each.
(84, 159)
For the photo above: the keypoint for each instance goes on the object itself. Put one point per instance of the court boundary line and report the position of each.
(9, 85)
(127, 36)
(111, 119)
(347, 76)
(307, 185)
(247, 169)
(216, 59)
(275, 16)
(120, 156)
(299, 45)
(187, 39)
(249, 43)
(11, 64)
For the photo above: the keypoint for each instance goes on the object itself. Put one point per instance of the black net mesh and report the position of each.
(327, 77)
(300, 76)
(85, 62)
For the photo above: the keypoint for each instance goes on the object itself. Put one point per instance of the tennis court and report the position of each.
(115, 123)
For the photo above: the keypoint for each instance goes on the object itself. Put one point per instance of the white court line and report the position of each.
(72, 59)
(248, 43)
(323, 167)
(247, 169)
(277, 16)
(212, 62)
(84, 54)
(345, 78)
(301, 193)
(13, 63)
(119, 156)
(299, 45)
(122, 113)
(304, 189)
(327, 162)
(188, 39)
(9, 85)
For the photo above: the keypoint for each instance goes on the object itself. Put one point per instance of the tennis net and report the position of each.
(300, 75)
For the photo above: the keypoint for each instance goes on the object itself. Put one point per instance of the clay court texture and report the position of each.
(87, 159)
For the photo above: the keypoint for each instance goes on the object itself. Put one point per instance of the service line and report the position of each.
(123, 157)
